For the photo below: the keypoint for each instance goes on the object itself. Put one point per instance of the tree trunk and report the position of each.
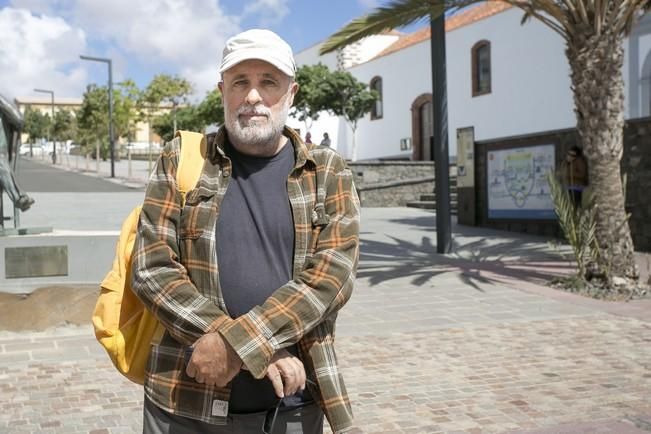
(353, 153)
(596, 71)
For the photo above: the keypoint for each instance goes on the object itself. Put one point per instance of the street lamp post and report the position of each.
(54, 147)
(110, 96)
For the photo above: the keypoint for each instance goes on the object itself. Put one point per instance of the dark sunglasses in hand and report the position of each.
(271, 415)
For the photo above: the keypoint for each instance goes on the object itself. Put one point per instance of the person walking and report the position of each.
(248, 273)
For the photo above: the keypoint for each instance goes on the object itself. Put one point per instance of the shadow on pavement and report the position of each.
(481, 256)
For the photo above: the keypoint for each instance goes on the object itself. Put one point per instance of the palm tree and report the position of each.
(594, 32)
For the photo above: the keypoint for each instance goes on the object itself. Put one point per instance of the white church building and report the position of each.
(504, 79)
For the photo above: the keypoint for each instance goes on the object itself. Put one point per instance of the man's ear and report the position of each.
(294, 90)
(220, 85)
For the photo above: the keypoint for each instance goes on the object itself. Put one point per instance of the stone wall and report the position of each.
(392, 183)
(636, 163)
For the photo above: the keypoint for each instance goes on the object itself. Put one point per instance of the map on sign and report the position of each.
(517, 183)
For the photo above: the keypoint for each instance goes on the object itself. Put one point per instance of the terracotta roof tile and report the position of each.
(464, 18)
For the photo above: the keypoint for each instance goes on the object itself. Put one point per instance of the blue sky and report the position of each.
(42, 39)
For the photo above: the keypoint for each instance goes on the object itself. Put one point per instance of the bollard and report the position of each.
(87, 161)
(129, 160)
(97, 159)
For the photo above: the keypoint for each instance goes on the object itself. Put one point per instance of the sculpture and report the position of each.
(11, 123)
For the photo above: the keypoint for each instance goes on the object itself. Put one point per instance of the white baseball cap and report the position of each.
(258, 44)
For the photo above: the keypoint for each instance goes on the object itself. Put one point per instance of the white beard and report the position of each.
(263, 136)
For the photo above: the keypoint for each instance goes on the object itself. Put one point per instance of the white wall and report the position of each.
(530, 84)
(310, 56)
(637, 70)
(405, 75)
(371, 46)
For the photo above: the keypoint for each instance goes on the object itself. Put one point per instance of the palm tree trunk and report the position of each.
(596, 71)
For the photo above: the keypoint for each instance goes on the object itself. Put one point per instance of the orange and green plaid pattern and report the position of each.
(175, 274)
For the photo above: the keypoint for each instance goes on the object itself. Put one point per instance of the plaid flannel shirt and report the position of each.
(175, 274)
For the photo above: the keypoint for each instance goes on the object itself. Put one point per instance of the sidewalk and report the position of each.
(471, 342)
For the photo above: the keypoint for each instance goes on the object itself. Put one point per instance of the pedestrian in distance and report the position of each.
(575, 174)
(247, 275)
(308, 138)
(326, 140)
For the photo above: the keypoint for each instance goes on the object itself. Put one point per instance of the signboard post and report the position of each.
(466, 196)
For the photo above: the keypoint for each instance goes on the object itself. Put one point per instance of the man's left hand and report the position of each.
(286, 373)
(214, 362)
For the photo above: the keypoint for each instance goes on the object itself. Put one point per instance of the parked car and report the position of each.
(37, 149)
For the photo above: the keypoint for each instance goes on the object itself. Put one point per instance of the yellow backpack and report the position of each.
(123, 326)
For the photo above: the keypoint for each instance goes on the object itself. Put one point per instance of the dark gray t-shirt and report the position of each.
(255, 250)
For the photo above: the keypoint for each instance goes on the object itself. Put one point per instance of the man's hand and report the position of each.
(287, 374)
(213, 361)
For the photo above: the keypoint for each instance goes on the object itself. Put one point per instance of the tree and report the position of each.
(65, 126)
(211, 109)
(37, 124)
(93, 119)
(169, 89)
(593, 32)
(186, 119)
(347, 97)
(337, 92)
(93, 122)
(128, 107)
(193, 118)
(312, 96)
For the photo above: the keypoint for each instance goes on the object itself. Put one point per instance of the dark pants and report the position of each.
(304, 420)
(576, 197)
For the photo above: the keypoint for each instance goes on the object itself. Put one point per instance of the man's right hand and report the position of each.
(213, 361)
(287, 374)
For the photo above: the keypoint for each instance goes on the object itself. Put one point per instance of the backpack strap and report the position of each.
(191, 159)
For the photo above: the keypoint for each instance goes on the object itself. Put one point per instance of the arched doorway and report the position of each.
(421, 127)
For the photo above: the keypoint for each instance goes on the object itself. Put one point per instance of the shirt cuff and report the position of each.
(250, 343)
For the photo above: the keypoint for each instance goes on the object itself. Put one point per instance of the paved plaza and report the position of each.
(470, 342)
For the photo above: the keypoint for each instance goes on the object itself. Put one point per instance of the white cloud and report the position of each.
(171, 35)
(161, 35)
(39, 52)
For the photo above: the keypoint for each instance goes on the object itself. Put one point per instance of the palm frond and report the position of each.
(545, 11)
(395, 14)
(577, 223)
(629, 12)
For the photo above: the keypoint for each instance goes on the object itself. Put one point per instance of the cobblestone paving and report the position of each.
(500, 378)
(478, 379)
(427, 345)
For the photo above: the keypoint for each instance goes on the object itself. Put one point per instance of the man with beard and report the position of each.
(248, 274)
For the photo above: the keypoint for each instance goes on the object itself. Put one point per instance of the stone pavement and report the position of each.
(471, 342)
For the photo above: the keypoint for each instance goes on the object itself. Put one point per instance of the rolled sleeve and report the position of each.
(159, 280)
